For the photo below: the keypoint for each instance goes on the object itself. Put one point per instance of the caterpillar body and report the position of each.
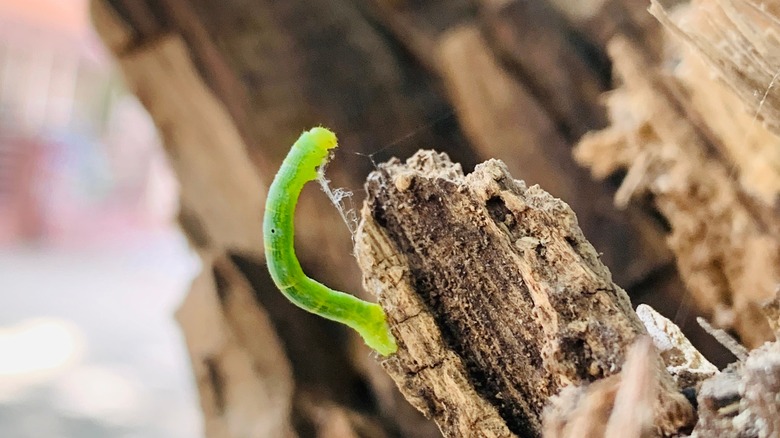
(311, 151)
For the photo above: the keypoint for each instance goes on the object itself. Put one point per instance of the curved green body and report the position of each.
(311, 150)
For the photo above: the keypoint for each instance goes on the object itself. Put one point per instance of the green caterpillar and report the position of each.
(311, 151)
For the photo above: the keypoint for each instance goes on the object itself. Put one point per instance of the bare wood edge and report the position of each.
(469, 387)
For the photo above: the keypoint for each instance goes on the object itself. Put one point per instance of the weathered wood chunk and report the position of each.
(496, 298)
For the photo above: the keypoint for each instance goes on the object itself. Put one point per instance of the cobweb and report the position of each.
(341, 199)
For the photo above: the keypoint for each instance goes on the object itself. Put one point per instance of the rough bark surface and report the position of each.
(496, 298)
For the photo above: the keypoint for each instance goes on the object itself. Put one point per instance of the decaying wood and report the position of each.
(740, 41)
(726, 242)
(237, 358)
(743, 400)
(497, 300)
(523, 79)
(535, 148)
(740, 401)
(728, 66)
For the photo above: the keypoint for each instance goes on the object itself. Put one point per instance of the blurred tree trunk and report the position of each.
(231, 84)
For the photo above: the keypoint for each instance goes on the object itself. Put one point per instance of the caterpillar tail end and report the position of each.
(377, 335)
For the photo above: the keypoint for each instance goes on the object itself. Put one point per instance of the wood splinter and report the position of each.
(497, 300)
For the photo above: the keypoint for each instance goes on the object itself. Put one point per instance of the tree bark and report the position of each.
(495, 296)
(231, 84)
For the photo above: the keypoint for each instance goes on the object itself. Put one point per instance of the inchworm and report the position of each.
(311, 151)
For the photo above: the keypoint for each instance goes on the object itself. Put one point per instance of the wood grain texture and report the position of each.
(726, 60)
(494, 295)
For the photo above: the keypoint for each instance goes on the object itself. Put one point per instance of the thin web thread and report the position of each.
(414, 132)
(342, 199)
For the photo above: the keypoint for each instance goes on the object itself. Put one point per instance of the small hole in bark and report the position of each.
(497, 209)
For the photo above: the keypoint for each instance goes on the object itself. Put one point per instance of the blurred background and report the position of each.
(92, 267)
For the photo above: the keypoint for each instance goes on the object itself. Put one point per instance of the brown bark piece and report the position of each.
(743, 399)
(619, 406)
(495, 297)
(560, 66)
(191, 121)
